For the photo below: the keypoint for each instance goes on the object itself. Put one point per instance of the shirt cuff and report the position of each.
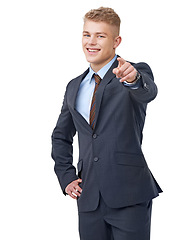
(134, 85)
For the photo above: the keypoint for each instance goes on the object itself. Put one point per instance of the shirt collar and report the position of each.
(102, 72)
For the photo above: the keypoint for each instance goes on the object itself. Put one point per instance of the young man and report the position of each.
(106, 105)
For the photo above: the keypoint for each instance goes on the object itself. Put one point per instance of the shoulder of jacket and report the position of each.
(76, 79)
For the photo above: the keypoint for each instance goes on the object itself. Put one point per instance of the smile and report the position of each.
(93, 50)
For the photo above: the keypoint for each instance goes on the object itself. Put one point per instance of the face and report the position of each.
(99, 43)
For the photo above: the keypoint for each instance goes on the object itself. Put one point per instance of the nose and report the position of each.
(92, 40)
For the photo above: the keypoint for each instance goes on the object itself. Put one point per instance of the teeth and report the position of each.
(92, 50)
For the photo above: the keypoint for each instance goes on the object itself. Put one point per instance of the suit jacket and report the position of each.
(111, 161)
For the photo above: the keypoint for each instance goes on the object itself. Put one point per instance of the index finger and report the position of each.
(121, 61)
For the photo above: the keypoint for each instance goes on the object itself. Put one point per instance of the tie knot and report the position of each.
(97, 79)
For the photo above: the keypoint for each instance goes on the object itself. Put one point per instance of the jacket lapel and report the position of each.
(74, 93)
(107, 78)
(75, 88)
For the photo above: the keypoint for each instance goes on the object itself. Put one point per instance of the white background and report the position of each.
(40, 52)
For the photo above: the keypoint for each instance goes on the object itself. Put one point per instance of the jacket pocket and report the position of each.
(127, 159)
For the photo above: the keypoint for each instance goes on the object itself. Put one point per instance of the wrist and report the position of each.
(137, 77)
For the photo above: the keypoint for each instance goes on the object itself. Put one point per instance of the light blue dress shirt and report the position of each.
(86, 89)
(87, 86)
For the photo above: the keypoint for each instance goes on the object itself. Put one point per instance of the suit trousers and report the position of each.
(128, 223)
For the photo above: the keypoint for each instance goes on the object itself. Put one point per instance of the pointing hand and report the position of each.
(125, 71)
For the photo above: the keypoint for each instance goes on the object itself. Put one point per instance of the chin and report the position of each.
(92, 59)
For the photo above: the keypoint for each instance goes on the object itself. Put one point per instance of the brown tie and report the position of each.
(93, 104)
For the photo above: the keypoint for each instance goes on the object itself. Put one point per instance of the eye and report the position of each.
(86, 35)
(101, 36)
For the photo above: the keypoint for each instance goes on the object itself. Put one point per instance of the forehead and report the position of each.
(97, 27)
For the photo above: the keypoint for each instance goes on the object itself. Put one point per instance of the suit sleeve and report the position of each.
(62, 147)
(148, 89)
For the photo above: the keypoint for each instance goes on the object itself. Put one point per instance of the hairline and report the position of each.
(115, 33)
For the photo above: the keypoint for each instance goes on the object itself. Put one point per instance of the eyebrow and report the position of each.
(96, 32)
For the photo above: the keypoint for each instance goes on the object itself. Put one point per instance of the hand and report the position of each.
(125, 71)
(73, 187)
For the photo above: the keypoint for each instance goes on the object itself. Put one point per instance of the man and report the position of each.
(106, 105)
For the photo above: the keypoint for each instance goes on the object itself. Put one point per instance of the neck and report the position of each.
(96, 67)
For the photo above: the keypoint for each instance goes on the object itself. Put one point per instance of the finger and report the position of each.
(121, 61)
(78, 189)
(128, 71)
(75, 192)
(79, 180)
(75, 183)
(75, 188)
(115, 70)
(129, 78)
(71, 195)
(122, 69)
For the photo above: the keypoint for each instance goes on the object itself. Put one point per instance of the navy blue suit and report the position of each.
(111, 163)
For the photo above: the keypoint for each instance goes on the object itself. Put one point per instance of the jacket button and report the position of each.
(96, 159)
(94, 135)
(145, 86)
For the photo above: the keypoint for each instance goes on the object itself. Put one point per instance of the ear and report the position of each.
(117, 41)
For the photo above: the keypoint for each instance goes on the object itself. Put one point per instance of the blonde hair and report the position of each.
(102, 14)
